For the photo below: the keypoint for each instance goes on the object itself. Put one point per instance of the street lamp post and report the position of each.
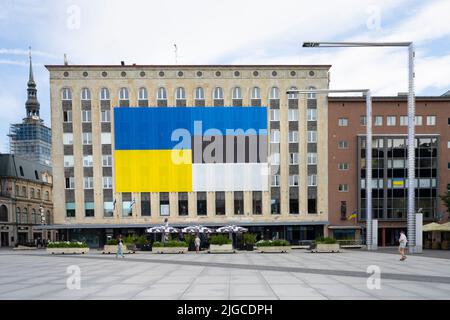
(411, 217)
(369, 243)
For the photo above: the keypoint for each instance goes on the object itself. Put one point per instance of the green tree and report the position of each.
(446, 200)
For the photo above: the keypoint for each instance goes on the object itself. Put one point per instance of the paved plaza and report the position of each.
(244, 275)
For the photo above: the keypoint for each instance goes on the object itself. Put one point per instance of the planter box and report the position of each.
(67, 250)
(275, 249)
(170, 249)
(112, 248)
(221, 248)
(327, 247)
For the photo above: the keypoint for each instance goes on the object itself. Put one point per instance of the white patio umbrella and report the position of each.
(197, 229)
(165, 229)
(231, 229)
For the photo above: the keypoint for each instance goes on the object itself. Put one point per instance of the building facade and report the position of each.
(83, 99)
(25, 201)
(347, 120)
(31, 139)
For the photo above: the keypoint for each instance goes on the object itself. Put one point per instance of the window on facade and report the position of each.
(32, 195)
(70, 209)
(67, 116)
(107, 160)
(257, 202)
(180, 93)
(275, 205)
(47, 195)
(378, 121)
(201, 204)
(343, 122)
(24, 215)
(24, 191)
(343, 144)
(343, 188)
(218, 93)
(105, 137)
(199, 93)
(143, 94)
(66, 94)
(312, 136)
(87, 161)
(256, 93)
(293, 136)
(89, 209)
(390, 120)
(312, 114)
(108, 209)
(18, 215)
(293, 95)
(403, 120)
(312, 180)
(68, 161)
(161, 94)
(274, 93)
(343, 166)
(274, 136)
(293, 114)
(293, 158)
(88, 182)
(363, 120)
(104, 94)
(274, 115)
(220, 203)
(183, 204)
(107, 182)
(87, 138)
(236, 93)
(67, 138)
(127, 208)
(311, 95)
(86, 115)
(85, 94)
(418, 120)
(312, 158)
(106, 116)
(145, 204)
(238, 202)
(70, 183)
(164, 203)
(431, 120)
(123, 94)
(275, 180)
(293, 180)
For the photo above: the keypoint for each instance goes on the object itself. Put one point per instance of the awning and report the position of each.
(345, 227)
(445, 227)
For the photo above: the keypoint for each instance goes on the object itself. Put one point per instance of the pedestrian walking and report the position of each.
(120, 249)
(197, 244)
(402, 247)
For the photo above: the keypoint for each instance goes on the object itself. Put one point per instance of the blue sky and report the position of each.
(222, 32)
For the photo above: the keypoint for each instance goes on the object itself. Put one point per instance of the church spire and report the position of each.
(32, 104)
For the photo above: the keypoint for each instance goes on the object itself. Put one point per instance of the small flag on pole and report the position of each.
(132, 203)
(352, 216)
(114, 204)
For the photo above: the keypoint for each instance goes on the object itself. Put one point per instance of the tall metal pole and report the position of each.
(368, 157)
(411, 221)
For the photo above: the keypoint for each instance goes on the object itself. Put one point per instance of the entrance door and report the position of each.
(4, 239)
(22, 238)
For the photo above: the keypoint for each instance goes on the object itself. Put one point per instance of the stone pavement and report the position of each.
(244, 275)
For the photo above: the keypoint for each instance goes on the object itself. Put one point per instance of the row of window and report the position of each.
(36, 217)
(293, 115)
(34, 193)
(391, 121)
(180, 93)
(86, 138)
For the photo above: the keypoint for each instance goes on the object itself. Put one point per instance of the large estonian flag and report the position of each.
(163, 149)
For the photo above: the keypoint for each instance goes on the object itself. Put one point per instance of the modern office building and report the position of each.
(92, 201)
(25, 200)
(346, 136)
(31, 139)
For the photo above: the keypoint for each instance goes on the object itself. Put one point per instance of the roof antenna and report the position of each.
(176, 53)
(65, 60)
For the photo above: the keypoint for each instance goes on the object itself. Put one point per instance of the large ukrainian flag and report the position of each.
(161, 149)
